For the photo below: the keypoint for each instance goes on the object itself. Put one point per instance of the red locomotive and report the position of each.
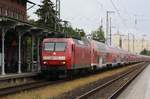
(68, 55)
(65, 54)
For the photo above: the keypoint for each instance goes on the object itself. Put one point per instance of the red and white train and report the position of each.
(68, 54)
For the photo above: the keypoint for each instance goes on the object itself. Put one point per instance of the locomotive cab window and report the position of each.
(60, 46)
(49, 46)
(55, 46)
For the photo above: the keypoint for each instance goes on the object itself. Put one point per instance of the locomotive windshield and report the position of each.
(60, 46)
(55, 46)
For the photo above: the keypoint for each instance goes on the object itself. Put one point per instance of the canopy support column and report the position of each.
(3, 51)
(21, 29)
(37, 33)
(38, 57)
(32, 68)
(19, 61)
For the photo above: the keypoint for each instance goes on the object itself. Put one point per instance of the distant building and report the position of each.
(116, 40)
(132, 45)
(14, 9)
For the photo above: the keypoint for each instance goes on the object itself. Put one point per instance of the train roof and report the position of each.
(56, 39)
(84, 41)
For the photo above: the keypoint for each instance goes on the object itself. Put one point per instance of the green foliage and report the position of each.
(32, 21)
(98, 35)
(81, 32)
(145, 52)
(47, 19)
(74, 33)
(47, 15)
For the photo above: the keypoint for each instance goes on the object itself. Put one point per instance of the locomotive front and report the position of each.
(55, 54)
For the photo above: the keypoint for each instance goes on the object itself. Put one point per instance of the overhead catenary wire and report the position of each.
(101, 4)
(124, 20)
(118, 12)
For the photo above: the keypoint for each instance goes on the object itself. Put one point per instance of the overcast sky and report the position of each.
(87, 14)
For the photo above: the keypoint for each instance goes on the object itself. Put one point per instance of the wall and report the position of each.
(13, 8)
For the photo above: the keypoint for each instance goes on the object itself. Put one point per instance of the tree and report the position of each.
(74, 33)
(47, 15)
(32, 21)
(145, 52)
(49, 20)
(98, 35)
(81, 32)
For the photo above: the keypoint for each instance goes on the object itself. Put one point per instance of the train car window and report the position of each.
(78, 42)
(49, 46)
(60, 46)
(86, 41)
(81, 42)
(100, 47)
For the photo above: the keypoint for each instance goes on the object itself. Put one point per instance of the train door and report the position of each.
(73, 56)
(100, 61)
(92, 55)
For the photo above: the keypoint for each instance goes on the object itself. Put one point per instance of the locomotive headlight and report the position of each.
(61, 57)
(44, 62)
(46, 58)
(63, 62)
(54, 58)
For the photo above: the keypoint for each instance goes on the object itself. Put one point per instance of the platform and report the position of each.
(139, 88)
(15, 76)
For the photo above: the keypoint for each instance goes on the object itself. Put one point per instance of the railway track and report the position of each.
(112, 88)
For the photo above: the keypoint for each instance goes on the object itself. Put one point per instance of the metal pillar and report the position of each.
(57, 15)
(36, 33)
(38, 57)
(107, 25)
(19, 61)
(143, 40)
(142, 43)
(133, 44)
(3, 51)
(110, 33)
(21, 29)
(32, 68)
(128, 43)
(120, 42)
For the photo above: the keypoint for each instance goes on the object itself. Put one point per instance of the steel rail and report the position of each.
(117, 92)
(93, 91)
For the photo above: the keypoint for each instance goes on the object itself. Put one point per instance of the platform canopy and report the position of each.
(20, 28)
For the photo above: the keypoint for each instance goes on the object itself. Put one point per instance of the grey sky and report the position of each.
(87, 14)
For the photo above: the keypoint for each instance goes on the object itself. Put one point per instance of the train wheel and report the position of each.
(109, 66)
(70, 74)
(50, 75)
